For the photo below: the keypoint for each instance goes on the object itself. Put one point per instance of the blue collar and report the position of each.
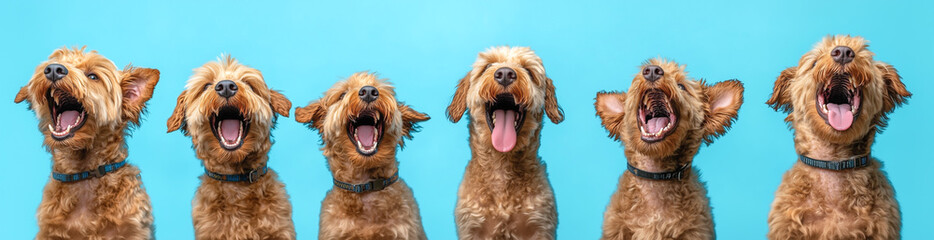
(852, 163)
(251, 176)
(100, 172)
(372, 186)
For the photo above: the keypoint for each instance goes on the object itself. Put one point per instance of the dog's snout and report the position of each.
(54, 72)
(505, 76)
(368, 93)
(226, 88)
(842, 54)
(652, 73)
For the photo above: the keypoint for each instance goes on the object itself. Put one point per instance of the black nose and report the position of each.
(652, 73)
(368, 93)
(842, 54)
(55, 72)
(505, 76)
(226, 88)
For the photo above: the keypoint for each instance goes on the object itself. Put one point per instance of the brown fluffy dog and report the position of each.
(85, 106)
(505, 192)
(662, 123)
(837, 99)
(229, 112)
(361, 123)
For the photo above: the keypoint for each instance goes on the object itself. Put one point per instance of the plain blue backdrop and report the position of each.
(303, 47)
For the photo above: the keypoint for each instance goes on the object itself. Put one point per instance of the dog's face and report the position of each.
(507, 91)
(79, 95)
(228, 110)
(360, 120)
(666, 113)
(838, 92)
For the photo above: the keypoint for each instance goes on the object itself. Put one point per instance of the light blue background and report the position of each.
(303, 47)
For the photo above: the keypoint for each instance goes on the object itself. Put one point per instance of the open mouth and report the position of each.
(657, 118)
(365, 130)
(504, 117)
(68, 114)
(229, 127)
(839, 102)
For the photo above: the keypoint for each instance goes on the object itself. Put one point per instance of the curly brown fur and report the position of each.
(814, 203)
(506, 195)
(665, 209)
(390, 213)
(234, 210)
(116, 205)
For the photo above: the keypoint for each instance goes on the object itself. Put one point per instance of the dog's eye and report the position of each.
(93, 76)
(341, 96)
(206, 85)
(681, 86)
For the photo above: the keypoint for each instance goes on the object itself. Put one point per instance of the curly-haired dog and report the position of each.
(662, 122)
(86, 107)
(229, 112)
(361, 123)
(505, 193)
(837, 99)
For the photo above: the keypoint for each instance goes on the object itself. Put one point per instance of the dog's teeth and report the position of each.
(51, 128)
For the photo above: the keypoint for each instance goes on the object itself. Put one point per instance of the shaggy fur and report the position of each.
(506, 195)
(391, 213)
(234, 210)
(814, 203)
(665, 209)
(116, 205)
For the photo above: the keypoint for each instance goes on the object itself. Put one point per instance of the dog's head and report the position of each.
(506, 92)
(360, 120)
(666, 113)
(228, 110)
(79, 95)
(838, 92)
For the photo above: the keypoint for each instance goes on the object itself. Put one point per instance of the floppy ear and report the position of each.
(780, 100)
(554, 112)
(723, 102)
(410, 120)
(897, 92)
(459, 102)
(280, 104)
(609, 107)
(177, 120)
(312, 114)
(137, 85)
(21, 95)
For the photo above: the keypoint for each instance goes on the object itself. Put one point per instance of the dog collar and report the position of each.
(251, 176)
(100, 172)
(852, 163)
(676, 174)
(372, 186)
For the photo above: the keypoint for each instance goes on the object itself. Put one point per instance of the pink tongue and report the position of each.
(655, 125)
(504, 130)
(365, 135)
(66, 119)
(230, 130)
(839, 116)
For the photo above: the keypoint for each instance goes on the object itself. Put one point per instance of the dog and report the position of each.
(505, 193)
(86, 107)
(229, 112)
(361, 123)
(662, 122)
(837, 99)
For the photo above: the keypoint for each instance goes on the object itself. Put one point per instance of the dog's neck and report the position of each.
(813, 146)
(344, 170)
(232, 163)
(105, 148)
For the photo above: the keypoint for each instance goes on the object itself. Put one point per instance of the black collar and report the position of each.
(676, 174)
(251, 176)
(99, 172)
(372, 186)
(852, 163)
